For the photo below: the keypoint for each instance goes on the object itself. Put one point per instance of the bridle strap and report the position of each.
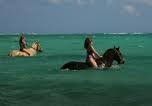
(34, 48)
(117, 53)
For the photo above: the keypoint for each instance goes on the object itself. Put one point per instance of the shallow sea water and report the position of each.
(37, 81)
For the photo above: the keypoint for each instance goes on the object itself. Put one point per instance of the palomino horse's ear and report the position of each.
(36, 41)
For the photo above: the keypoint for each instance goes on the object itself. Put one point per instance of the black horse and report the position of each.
(108, 57)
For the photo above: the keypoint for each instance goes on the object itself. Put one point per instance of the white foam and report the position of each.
(122, 33)
(115, 67)
(137, 33)
(140, 46)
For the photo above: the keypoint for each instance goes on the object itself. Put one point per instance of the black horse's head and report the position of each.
(114, 54)
(118, 55)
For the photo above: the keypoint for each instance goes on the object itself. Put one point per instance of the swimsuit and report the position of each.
(90, 54)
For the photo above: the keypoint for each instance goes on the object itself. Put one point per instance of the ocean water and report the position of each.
(38, 81)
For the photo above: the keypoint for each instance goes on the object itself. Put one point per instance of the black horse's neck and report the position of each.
(107, 59)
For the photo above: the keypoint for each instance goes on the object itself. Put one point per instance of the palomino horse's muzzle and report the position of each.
(40, 50)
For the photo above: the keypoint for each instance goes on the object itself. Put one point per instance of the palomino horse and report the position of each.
(109, 56)
(33, 50)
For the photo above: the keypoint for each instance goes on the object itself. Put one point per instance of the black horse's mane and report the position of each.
(108, 51)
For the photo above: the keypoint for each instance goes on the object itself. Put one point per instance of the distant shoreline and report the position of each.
(79, 34)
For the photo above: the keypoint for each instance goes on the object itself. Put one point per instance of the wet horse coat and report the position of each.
(33, 51)
(109, 56)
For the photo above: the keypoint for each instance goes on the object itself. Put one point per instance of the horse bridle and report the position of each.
(118, 53)
(36, 47)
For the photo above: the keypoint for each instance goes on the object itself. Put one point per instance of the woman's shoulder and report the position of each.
(90, 48)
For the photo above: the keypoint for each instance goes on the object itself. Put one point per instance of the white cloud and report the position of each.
(133, 6)
(147, 2)
(76, 2)
(54, 1)
(85, 2)
(130, 9)
(144, 2)
(109, 2)
(136, 2)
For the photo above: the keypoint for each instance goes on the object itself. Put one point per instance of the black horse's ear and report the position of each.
(118, 48)
(114, 47)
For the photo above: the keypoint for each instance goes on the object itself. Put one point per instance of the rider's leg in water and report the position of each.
(92, 62)
(26, 51)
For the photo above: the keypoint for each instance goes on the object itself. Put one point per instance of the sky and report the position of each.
(75, 16)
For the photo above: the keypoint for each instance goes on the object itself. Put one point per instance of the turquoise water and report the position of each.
(38, 81)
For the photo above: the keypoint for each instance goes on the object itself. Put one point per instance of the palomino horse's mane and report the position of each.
(35, 45)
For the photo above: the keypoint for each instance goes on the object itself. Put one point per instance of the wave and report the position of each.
(138, 33)
(79, 34)
(122, 33)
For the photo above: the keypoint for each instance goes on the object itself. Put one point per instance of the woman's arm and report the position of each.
(95, 52)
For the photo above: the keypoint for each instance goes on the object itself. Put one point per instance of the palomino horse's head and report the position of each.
(114, 54)
(36, 45)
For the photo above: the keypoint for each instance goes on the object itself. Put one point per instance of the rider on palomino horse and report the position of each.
(32, 51)
(22, 43)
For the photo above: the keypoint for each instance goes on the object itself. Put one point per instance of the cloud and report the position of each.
(138, 2)
(135, 2)
(84, 2)
(132, 6)
(109, 2)
(144, 2)
(130, 9)
(76, 2)
(54, 1)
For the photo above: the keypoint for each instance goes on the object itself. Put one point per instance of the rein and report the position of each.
(118, 53)
(34, 48)
(106, 56)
